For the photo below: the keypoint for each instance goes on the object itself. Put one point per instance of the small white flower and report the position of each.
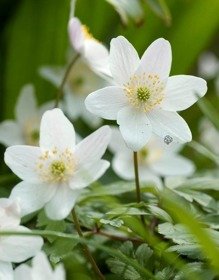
(145, 99)
(25, 129)
(40, 270)
(14, 249)
(209, 135)
(155, 159)
(55, 173)
(81, 81)
(90, 49)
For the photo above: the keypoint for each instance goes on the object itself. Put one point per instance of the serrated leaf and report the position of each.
(60, 249)
(143, 254)
(125, 271)
(166, 274)
(114, 222)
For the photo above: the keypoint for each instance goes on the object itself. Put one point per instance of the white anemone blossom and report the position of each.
(145, 99)
(40, 270)
(25, 128)
(80, 82)
(90, 49)
(155, 159)
(14, 249)
(55, 173)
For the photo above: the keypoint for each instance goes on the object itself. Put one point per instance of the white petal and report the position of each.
(56, 131)
(170, 123)
(117, 143)
(157, 59)
(22, 161)
(22, 272)
(182, 91)
(135, 128)
(59, 273)
(93, 146)
(32, 197)
(106, 102)
(124, 60)
(122, 164)
(73, 105)
(60, 206)
(97, 56)
(9, 213)
(19, 248)
(52, 74)
(91, 120)
(41, 267)
(26, 106)
(6, 271)
(171, 165)
(88, 174)
(76, 34)
(10, 133)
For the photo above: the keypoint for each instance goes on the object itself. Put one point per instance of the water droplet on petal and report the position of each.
(168, 139)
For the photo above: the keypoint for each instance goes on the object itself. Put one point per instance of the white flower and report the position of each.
(90, 49)
(25, 129)
(55, 173)
(209, 135)
(81, 81)
(40, 270)
(127, 8)
(145, 99)
(155, 159)
(14, 249)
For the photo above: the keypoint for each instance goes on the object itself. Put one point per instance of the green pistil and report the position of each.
(58, 168)
(143, 94)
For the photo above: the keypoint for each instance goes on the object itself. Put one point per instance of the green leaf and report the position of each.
(33, 42)
(60, 249)
(204, 151)
(122, 270)
(161, 8)
(205, 238)
(143, 254)
(209, 111)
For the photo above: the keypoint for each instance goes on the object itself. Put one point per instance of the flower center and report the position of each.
(143, 94)
(56, 166)
(144, 91)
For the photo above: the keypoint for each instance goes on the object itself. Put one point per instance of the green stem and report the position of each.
(137, 184)
(85, 248)
(60, 91)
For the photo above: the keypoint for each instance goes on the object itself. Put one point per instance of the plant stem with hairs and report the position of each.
(85, 248)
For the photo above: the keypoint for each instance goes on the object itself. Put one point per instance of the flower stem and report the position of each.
(60, 91)
(85, 248)
(137, 184)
